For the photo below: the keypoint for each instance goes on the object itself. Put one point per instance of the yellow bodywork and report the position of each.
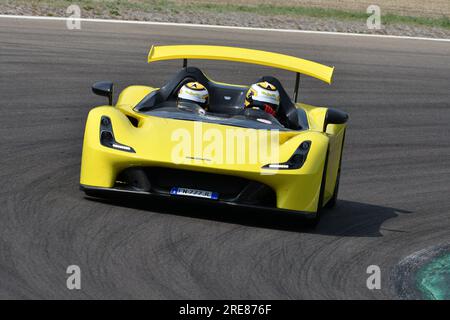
(154, 140)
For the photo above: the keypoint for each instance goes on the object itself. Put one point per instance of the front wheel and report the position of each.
(314, 221)
(332, 202)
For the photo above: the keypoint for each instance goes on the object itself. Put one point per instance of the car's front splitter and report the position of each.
(132, 195)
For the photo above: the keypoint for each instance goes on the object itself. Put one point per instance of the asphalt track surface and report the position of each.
(394, 191)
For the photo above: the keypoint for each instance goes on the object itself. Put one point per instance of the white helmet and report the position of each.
(264, 96)
(194, 92)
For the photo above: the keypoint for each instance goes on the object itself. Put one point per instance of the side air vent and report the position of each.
(134, 121)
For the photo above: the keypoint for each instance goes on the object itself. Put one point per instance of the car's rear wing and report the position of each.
(265, 58)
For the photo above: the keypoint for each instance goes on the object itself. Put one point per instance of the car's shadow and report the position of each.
(347, 218)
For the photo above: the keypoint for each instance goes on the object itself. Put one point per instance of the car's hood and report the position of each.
(196, 143)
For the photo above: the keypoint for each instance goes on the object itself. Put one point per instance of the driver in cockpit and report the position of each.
(193, 97)
(263, 96)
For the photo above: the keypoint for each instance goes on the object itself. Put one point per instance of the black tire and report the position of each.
(332, 202)
(312, 223)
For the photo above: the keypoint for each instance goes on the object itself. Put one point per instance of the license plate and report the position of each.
(194, 193)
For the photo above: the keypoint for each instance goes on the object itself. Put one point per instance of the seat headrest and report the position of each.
(184, 75)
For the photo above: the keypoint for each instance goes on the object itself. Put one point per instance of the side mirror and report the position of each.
(104, 88)
(334, 116)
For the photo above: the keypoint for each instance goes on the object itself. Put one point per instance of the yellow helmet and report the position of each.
(264, 96)
(194, 92)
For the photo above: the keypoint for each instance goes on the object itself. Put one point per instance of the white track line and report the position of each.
(210, 26)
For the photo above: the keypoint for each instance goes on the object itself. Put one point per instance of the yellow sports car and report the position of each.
(149, 145)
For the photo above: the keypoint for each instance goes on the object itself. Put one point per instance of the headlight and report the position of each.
(107, 136)
(296, 161)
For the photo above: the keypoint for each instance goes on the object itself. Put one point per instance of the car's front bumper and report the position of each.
(137, 195)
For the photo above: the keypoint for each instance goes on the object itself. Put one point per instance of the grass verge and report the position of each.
(115, 8)
(264, 9)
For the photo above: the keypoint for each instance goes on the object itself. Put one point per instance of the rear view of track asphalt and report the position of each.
(394, 192)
